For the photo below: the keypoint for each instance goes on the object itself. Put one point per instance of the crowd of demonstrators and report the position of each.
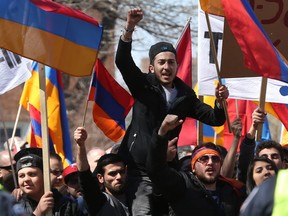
(29, 171)
(200, 191)
(155, 94)
(144, 174)
(104, 195)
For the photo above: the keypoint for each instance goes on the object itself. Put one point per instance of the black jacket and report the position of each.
(150, 109)
(98, 202)
(185, 193)
(63, 205)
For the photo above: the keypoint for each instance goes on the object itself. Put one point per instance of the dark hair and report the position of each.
(209, 145)
(106, 160)
(223, 151)
(250, 183)
(55, 156)
(268, 144)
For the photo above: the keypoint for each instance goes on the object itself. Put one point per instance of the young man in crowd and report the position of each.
(111, 175)
(200, 192)
(155, 94)
(29, 170)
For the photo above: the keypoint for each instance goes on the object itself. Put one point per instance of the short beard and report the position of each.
(115, 191)
(207, 181)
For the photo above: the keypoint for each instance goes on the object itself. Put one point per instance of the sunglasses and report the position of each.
(205, 158)
(56, 172)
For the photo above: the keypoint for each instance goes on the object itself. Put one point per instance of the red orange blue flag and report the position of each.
(260, 55)
(50, 33)
(59, 137)
(111, 103)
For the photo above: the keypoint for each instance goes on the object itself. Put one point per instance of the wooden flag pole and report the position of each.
(262, 105)
(237, 108)
(44, 130)
(86, 106)
(224, 105)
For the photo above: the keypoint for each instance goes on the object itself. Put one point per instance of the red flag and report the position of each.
(245, 109)
(188, 133)
(184, 56)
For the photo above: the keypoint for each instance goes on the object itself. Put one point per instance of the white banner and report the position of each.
(240, 88)
(14, 70)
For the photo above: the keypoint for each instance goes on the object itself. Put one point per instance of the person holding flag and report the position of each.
(156, 94)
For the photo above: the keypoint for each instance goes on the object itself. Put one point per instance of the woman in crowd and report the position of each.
(260, 169)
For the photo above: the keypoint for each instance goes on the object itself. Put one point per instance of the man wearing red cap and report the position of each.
(70, 175)
(200, 192)
(155, 94)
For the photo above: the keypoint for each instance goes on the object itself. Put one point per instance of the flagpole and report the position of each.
(183, 31)
(15, 126)
(237, 108)
(262, 105)
(44, 130)
(224, 105)
(87, 98)
(13, 142)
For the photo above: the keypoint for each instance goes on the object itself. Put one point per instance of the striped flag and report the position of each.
(111, 103)
(59, 138)
(260, 55)
(50, 33)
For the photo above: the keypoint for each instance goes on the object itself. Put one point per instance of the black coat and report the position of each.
(150, 109)
(184, 192)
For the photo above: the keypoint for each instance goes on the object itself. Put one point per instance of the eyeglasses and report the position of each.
(56, 172)
(205, 158)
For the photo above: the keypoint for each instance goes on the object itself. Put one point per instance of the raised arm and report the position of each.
(229, 162)
(92, 194)
(248, 144)
(157, 166)
(134, 16)
(80, 136)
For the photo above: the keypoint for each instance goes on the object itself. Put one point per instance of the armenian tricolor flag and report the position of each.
(59, 138)
(111, 103)
(50, 33)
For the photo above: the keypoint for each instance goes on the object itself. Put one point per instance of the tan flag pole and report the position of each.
(217, 67)
(262, 105)
(44, 131)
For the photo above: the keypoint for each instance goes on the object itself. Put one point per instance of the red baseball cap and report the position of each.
(69, 170)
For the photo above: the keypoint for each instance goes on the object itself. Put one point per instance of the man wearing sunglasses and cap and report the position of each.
(200, 192)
